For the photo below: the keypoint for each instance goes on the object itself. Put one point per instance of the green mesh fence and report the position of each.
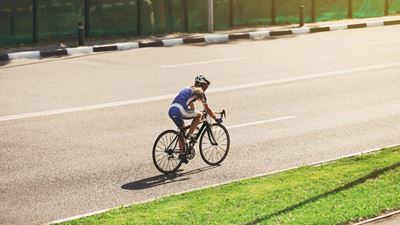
(197, 15)
(288, 11)
(368, 8)
(6, 20)
(58, 19)
(161, 16)
(16, 21)
(113, 17)
(394, 7)
(151, 13)
(222, 14)
(252, 12)
(331, 9)
(176, 16)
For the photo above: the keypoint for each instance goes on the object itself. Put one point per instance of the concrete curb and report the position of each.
(207, 39)
(231, 181)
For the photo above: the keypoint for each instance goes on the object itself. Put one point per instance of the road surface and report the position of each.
(76, 133)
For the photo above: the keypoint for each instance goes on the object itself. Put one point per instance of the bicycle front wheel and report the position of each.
(166, 152)
(214, 144)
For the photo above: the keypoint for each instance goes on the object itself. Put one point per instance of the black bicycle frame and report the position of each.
(173, 141)
(206, 127)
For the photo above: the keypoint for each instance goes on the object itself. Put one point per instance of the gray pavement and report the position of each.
(341, 88)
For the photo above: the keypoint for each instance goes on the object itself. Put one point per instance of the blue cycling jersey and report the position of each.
(187, 96)
(179, 109)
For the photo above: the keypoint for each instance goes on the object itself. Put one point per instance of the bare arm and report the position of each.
(209, 111)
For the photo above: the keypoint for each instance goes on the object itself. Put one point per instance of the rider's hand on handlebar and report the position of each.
(219, 120)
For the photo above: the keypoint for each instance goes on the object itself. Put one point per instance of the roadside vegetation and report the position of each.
(340, 192)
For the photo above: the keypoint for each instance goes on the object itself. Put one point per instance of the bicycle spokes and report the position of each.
(166, 152)
(214, 146)
(211, 137)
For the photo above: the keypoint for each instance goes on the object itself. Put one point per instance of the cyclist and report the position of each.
(182, 108)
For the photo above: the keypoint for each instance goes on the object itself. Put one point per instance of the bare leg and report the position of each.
(181, 144)
(194, 124)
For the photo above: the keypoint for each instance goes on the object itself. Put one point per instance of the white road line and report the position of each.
(384, 42)
(216, 90)
(85, 108)
(260, 122)
(203, 62)
(306, 77)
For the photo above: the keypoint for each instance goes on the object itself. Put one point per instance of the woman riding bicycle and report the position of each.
(182, 108)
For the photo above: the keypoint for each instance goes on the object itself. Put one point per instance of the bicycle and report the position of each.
(213, 145)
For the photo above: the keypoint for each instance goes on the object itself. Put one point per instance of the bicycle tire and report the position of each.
(160, 146)
(208, 151)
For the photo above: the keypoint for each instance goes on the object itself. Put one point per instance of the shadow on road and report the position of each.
(352, 184)
(163, 179)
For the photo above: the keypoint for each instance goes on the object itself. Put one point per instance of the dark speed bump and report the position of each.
(194, 40)
(4, 57)
(319, 29)
(239, 36)
(105, 48)
(391, 22)
(151, 44)
(355, 26)
(53, 53)
(281, 33)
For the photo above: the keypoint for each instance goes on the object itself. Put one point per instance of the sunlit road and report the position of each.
(76, 133)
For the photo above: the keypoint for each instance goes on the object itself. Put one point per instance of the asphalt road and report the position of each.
(339, 92)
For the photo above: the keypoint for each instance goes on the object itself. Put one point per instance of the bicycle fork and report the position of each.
(211, 136)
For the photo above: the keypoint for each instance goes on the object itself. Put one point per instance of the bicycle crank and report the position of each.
(190, 153)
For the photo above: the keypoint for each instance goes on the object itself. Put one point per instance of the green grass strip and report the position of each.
(347, 190)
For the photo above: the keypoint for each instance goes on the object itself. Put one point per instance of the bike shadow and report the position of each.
(163, 179)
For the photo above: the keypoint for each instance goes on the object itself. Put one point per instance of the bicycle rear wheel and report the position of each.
(214, 144)
(166, 152)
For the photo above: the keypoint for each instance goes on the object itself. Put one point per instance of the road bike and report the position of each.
(213, 138)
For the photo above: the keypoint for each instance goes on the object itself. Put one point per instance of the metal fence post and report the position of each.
(35, 21)
(301, 16)
(160, 7)
(210, 16)
(169, 20)
(87, 17)
(12, 21)
(387, 4)
(273, 11)
(231, 14)
(139, 17)
(81, 34)
(313, 11)
(350, 11)
(186, 18)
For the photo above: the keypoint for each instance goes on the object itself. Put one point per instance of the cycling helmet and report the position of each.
(201, 79)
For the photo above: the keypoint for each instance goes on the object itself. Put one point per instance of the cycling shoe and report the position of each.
(183, 158)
